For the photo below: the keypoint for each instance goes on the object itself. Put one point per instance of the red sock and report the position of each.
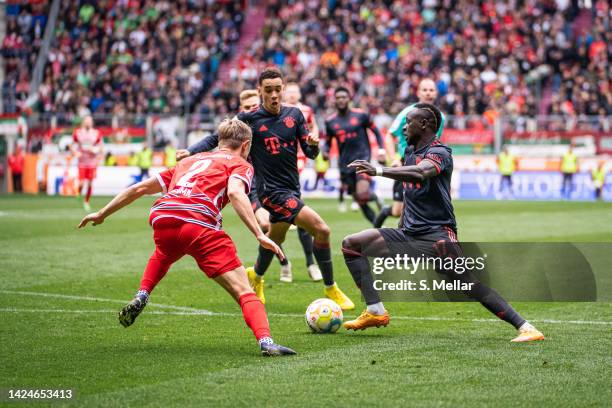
(255, 315)
(154, 272)
(88, 195)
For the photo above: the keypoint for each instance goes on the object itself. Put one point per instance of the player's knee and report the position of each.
(322, 232)
(351, 242)
(396, 210)
(362, 197)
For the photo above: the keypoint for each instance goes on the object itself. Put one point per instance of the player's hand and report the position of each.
(312, 139)
(363, 167)
(94, 218)
(181, 154)
(267, 243)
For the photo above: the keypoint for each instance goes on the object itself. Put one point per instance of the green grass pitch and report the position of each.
(60, 290)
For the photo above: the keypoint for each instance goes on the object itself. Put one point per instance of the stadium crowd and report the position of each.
(136, 56)
(25, 26)
(146, 56)
(480, 54)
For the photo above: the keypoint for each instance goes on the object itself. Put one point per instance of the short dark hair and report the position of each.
(269, 73)
(342, 88)
(234, 132)
(433, 111)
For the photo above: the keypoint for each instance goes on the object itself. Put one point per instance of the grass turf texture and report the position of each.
(173, 357)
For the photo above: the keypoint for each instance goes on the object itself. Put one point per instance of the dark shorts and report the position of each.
(399, 241)
(349, 178)
(283, 206)
(398, 191)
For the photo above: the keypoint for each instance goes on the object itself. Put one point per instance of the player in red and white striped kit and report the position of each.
(186, 220)
(88, 147)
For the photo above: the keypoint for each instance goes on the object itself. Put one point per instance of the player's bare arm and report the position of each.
(242, 205)
(126, 197)
(422, 171)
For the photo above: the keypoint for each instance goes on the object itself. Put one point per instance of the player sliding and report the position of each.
(87, 146)
(427, 226)
(277, 132)
(349, 127)
(186, 220)
(426, 93)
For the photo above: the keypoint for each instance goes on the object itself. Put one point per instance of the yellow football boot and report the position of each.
(366, 320)
(257, 284)
(526, 334)
(334, 293)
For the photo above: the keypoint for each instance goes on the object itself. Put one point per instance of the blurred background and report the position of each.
(524, 85)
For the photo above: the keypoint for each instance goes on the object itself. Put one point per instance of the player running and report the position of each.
(186, 220)
(277, 131)
(427, 92)
(292, 96)
(349, 127)
(427, 227)
(88, 147)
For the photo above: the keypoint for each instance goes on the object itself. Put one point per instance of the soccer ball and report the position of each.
(324, 316)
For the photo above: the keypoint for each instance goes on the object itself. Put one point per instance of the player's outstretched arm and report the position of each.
(422, 171)
(242, 206)
(126, 197)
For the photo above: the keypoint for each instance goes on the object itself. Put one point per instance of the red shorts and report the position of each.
(87, 173)
(214, 251)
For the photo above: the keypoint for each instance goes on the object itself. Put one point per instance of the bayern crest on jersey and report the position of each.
(289, 122)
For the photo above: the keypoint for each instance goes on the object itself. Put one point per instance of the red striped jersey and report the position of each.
(87, 140)
(195, 190)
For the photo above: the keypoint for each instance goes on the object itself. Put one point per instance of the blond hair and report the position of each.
(234, 132)
(247, 93)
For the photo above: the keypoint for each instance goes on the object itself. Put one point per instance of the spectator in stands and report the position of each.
(141, 56)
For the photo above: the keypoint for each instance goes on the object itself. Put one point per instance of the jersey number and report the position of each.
(195, 168)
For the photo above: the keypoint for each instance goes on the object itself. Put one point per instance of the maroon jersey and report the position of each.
(195, 190)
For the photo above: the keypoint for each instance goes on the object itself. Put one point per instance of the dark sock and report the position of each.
(368, 212)
(382, 216)
(341, 196)
(263, 260)
(322, 254)
(284, 261)
(495, 304)
(359, 268)
(306, 241)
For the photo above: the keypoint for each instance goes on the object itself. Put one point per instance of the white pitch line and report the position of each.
(112, 311)
(189, 311)
(95, 299)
